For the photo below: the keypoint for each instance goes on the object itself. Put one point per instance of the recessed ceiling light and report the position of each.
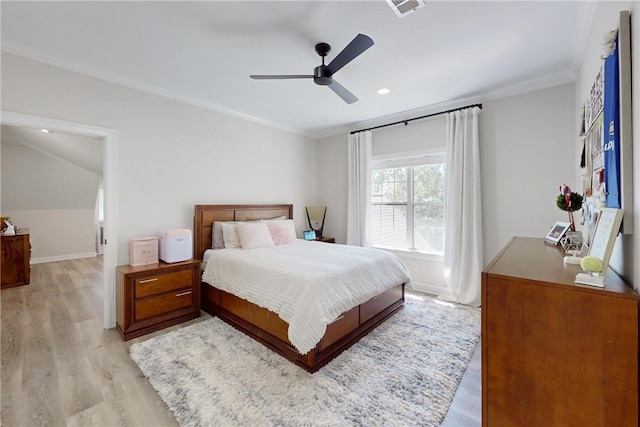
(45, 130)
(384, 91)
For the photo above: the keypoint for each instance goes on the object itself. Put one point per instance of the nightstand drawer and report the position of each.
(162, 304)
(160, 283)
(155, 296)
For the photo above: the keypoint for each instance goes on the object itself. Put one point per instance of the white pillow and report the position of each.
(217, 239)
(282, 232)
(253, 235)
(230, 235)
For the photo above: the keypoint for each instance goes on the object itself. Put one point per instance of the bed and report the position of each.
(265, 325)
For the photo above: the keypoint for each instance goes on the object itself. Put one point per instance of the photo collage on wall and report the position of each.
(599, 135)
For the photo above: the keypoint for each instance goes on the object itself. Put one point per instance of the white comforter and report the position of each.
(308, 284)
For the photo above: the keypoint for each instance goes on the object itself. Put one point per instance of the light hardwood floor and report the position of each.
(60, 367)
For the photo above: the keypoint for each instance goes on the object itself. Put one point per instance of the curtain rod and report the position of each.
(418, 118)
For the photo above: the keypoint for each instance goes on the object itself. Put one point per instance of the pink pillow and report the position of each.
(254, 235)
(282, 232)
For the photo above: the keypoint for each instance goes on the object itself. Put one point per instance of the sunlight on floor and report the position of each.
(445, 303)
(414, 296)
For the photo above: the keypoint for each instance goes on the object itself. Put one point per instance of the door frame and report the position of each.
(109, 150)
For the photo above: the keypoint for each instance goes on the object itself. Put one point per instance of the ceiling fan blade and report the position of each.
(280, 76)
(358, 45)
(343, 93)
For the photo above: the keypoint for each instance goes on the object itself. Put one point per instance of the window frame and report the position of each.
(433, 156)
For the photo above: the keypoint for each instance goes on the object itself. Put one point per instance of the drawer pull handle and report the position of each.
(341, 317)
(376, 297)
(148, 280)
(181, 294)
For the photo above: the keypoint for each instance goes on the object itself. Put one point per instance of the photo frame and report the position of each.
(309, 234)
(606, 231)
(556, 232)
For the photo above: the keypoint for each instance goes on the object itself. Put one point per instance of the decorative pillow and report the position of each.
(230, 235)
(253, 235)
(217, 239)
(282, 232)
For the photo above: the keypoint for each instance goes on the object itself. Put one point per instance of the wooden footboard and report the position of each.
(269, 329)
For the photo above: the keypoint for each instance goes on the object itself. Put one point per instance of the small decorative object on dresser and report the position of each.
(152, 297)
(557, 231)
(569, 201)
(604, 237)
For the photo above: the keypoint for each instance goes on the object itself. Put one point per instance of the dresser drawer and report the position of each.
(162, 304)
(164, 282)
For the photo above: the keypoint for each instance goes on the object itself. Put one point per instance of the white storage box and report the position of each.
(175, 245)
(143, 251)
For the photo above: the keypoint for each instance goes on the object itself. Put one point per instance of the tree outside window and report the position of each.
(408, 204)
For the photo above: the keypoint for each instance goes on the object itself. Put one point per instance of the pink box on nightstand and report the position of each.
(143, 251)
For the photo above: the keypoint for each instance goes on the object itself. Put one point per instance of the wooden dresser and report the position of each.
(154, 296)
(16, 259)
(555, 353)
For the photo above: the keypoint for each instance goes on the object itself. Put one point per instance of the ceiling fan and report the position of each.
(323, 74)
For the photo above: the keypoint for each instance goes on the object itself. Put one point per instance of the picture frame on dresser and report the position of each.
(556, 233)
(604, 236)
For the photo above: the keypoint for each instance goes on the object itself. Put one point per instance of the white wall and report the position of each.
(51, 197)
(170, 155)
(32, 179)
(527, 151)
(606, 17)
(57, 234)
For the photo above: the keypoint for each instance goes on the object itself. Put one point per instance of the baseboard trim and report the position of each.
(427, 288)
(67, 257)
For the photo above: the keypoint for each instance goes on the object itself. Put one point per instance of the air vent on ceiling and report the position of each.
(405, 7)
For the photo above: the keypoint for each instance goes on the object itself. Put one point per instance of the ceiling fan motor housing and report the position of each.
(322, 76)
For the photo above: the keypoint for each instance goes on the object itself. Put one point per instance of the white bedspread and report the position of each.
(308, 284)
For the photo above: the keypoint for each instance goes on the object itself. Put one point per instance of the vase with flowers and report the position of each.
(569, 201)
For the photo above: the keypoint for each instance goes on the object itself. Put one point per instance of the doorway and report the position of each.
(109, 138)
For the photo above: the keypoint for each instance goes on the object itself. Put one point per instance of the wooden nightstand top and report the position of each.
(326, 239)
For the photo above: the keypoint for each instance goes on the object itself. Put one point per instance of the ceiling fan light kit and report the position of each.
(323, 74)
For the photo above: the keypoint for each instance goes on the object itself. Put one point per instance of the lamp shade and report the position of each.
(315, 216)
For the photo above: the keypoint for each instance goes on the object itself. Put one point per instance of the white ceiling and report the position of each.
(203, 52)
(83, 151)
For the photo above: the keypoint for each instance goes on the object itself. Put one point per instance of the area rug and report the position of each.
(405, 372)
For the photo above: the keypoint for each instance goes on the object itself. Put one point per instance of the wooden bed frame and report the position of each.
(264, 325)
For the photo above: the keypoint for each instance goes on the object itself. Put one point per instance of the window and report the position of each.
(407, 203)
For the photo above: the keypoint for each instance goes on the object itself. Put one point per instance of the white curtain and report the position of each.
(463, 210)
(358, 207)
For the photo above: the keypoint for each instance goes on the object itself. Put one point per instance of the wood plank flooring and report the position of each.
(59, 367)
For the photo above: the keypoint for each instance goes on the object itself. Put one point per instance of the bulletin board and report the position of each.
(606, 134)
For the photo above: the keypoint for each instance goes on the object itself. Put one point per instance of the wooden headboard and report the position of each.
(206, 215)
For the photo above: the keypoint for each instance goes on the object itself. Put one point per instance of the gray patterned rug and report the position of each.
(405, 372)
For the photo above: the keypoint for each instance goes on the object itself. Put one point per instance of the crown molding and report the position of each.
(66, 64)
(504, 92)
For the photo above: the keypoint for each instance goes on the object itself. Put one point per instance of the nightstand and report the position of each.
(326, 239)
(155, 296)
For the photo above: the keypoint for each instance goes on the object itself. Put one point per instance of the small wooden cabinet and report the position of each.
(152, 297)
(16, 259)
(556, 353)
